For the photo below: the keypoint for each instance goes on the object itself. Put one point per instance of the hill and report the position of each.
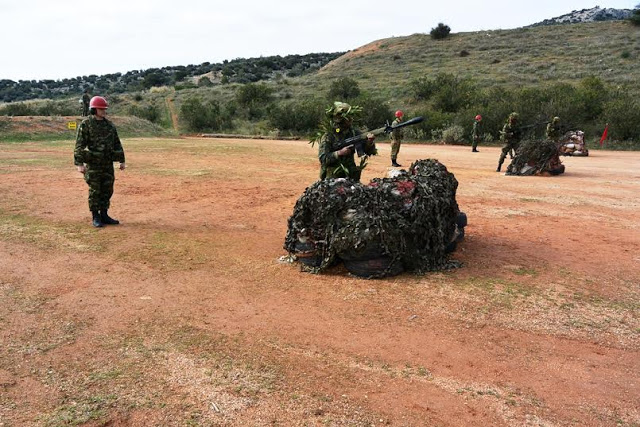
(509, 58)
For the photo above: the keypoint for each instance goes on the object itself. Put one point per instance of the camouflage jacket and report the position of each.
(334, 166)
(397, 134)
(553, 131)
(511, 133)
(97, 142)
(476, 132)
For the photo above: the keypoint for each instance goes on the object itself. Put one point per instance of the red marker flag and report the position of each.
(604, 134)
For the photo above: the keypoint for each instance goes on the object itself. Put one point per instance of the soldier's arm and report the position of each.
(118, 151)
(82, 139)
(325, 155)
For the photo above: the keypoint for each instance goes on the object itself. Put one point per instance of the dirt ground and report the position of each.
(183, 314)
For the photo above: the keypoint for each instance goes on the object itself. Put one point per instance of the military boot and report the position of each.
(395, 164)
(96, 219)
(106, 219)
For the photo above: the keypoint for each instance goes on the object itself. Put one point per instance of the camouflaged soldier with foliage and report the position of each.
(510, 136)
(554, 131)
(97, 147)
(339, 162)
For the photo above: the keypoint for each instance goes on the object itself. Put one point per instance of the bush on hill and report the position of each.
(440, 32)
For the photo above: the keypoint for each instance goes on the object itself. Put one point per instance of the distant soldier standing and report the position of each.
(340, 163)
(85, 103)
(510, 136)
(553, 130)
(396, 139)
(97, 147)
(476, 133)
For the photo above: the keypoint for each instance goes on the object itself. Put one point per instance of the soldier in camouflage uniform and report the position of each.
(85, 103)
(553, 130)
(510, 136)
(97, 147)
(340, 163)
(396, 139)
(476, 133)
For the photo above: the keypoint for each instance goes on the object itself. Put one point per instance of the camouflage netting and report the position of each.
(536, 158)
(407, 221)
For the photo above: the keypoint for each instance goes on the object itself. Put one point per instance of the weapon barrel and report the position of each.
(385, 129)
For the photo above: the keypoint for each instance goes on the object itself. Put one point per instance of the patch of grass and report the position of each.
(522, 271)
(80, 411)
(48, 235)
(168, 251)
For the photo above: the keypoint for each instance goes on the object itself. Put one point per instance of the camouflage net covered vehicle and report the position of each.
(536, 158)
(572, 144)
(409, 222)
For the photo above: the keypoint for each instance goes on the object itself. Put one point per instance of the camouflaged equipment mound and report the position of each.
(403, 223)
(536, 158)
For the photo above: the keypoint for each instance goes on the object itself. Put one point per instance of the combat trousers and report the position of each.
(100, 178)
(508, 146)
(395, 148)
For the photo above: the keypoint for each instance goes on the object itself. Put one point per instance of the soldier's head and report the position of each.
(555, 119)
(513, 117)
(98, 106)
(399, 114)
(341, 114)
(478, 118)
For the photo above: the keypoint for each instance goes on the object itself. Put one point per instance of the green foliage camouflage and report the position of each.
(408, 220)
(536, 158)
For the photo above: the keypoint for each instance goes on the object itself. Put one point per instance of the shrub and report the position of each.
(421, 88)
(199, 116)
(250, 94)
(623, 115)
(375, 113)
(204, 82)
(149, 112)
(344, 89)
(440, 32)
(300, 117)
(453, 134)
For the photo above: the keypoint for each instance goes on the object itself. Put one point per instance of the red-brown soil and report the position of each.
(183, 314)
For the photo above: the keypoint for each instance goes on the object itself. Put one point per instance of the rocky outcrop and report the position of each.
(588, 15)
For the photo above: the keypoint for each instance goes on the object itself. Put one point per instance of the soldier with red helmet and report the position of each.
(396, 139)
(476, 133)
(97, 147)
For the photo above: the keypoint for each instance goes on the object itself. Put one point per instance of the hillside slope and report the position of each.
(519, 57)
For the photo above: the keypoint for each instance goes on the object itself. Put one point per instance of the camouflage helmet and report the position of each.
(342, 110)
(513, 116)
(556, 119)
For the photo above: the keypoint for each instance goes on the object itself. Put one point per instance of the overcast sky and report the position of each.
(56, 39)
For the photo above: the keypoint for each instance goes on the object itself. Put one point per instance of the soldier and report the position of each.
(476, 133)
(97, 147)
(340, 163)
(396, 139)
(510, 136)
(85, 103)
(553, 129)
